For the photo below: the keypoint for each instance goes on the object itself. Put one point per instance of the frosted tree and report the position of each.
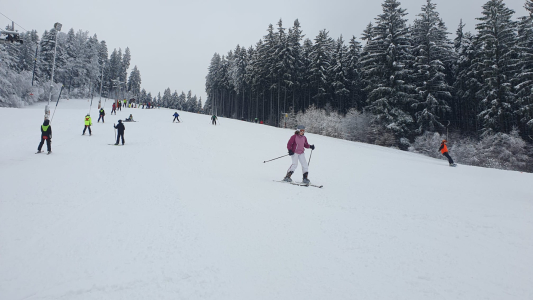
(497, 61)
(353, 74)
(432, 49)
(46, 54)
(294, 55)
(320, 66)
(467, 81)
(134, 82)
(339, 70)
(125, 65)
(524, 80)
(386, 70)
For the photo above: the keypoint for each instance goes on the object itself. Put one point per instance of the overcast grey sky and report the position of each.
(172, 42)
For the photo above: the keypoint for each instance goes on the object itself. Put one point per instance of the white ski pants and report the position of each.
(299, 157)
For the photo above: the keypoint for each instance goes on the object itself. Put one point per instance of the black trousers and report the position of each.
(450, 160)
(176, 118)
(48, 144)
(120, 135)
(214, 122)
(87, 126)
(101, 117)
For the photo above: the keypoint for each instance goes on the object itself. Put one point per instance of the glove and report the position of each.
(312, 147)
(291, 152)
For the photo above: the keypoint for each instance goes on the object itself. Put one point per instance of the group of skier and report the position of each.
(296, 145)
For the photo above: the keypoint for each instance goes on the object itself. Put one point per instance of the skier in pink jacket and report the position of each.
(296, 146)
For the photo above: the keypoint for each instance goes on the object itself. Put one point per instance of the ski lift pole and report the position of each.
(34, 65)
(447, 130)
(57, 102)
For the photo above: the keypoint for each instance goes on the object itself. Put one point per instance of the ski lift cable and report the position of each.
(13, 21)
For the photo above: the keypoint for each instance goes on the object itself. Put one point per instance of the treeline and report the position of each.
(81, 63)
(181, 101)
(411, 78)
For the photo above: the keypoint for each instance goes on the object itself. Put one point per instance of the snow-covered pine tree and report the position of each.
(295, 53)
(167, 99)
(46, 54)
(353, 77)
(125, 65)
(524, 81)
(385, 68)
(432, 49)
(497, 62)
(134, 82)
(321, 57)
(467, 81)
(339, 71)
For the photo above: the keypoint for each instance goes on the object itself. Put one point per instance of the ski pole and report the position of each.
(310, 157)
(275, 158)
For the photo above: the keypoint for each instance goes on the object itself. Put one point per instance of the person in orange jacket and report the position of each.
(444, 150)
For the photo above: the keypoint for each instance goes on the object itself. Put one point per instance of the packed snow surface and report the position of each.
(190, 211)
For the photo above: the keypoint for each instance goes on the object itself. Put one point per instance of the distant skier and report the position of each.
(214, 120)
(102, 114)
(255, 120)
(296, 146)
(114, 108)
(88, 123)
(120, 129)
(129, 119)
(444, 150)
(46, 135)
(176, 117)
(119, 105)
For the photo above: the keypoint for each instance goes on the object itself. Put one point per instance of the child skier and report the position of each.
(120, 128)
(88, 123)
(102, 114)
(214, 120)
(46, 135)
(444, 150)
(296, 146)
(114, 108)
(176, 117)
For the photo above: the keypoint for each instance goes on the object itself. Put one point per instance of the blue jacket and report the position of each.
(176, 115)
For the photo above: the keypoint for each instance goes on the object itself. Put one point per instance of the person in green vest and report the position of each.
(102, 114)
(214, 120)
(46, 135)
(88, 123)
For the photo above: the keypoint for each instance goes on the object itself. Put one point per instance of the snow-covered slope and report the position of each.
(190, 211)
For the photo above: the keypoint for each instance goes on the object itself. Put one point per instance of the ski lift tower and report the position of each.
(57, 27)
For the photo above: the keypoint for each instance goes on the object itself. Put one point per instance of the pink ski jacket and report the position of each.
(297, 143)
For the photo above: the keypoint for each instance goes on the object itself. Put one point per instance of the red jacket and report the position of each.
(443, 149)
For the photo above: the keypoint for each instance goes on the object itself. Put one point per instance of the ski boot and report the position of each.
(38, 151)
(48, 152)
(453, 165)
(305, 180)
(288, 176)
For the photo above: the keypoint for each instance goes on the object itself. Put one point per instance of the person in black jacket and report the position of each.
(46, 135)
(102, 114)
(120, 128)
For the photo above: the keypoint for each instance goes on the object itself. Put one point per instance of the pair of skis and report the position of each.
(301, 184)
